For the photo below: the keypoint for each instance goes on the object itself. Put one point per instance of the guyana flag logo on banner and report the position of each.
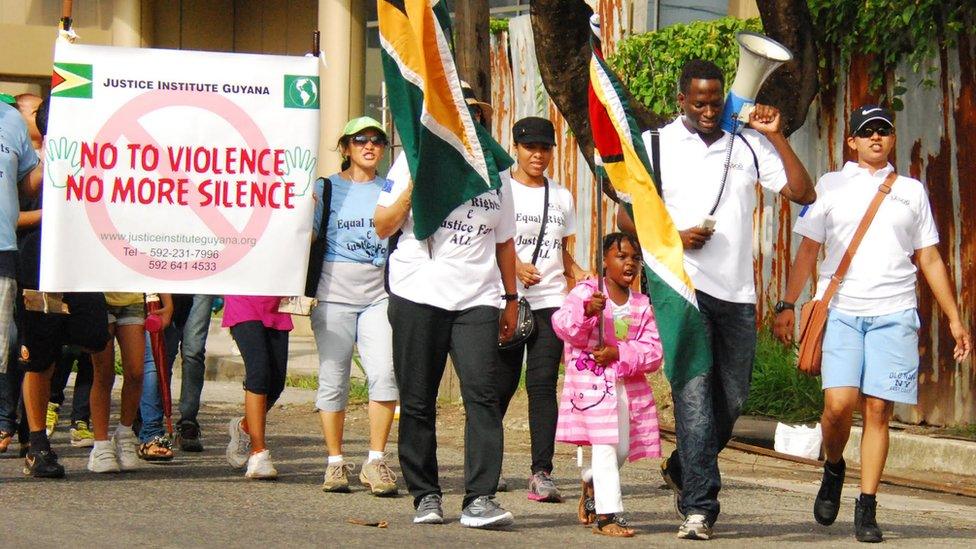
(72, 80)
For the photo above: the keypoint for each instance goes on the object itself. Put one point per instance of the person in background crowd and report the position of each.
(261, 334)
(352, 308)
(126, 323)
(444, 293)
(72, 357)
(41, 336)
(870, 345)
(542, 277)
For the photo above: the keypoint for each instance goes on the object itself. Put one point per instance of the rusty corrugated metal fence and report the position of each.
(936, 143)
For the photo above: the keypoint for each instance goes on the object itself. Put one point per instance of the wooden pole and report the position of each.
(471, 39)
(599, 251)
(66, 8)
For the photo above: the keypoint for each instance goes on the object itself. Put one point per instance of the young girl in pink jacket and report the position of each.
(606, 401)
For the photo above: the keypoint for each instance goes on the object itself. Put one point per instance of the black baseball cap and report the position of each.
(868, 113)
(533, 129)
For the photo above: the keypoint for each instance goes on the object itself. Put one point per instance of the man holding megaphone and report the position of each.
(706, 166)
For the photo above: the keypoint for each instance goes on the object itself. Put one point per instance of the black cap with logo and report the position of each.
(533, 129)
(867, 113)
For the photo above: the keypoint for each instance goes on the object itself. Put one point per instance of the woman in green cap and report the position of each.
(352, 306)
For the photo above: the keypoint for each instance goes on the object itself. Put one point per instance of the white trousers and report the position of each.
(607, 459)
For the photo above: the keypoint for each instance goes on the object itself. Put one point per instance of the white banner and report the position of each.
(179, 171)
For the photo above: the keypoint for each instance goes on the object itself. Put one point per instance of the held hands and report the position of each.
(765, 119)
(783, 326)
(595, 305)
(963, 344)
(527, 273)
(605, 355)
(507, 321)
(694, 238)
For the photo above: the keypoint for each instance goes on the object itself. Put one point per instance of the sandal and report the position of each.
(586, 511)
(157, 449)
(6, 439)
(613, 525)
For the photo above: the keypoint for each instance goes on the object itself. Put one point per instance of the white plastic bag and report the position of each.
(798, 440)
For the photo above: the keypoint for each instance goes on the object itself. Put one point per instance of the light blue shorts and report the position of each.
(876, 354)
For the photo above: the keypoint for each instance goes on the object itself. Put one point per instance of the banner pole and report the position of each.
(316, 43)
(66, 6)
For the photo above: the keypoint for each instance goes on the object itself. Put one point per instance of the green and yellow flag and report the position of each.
(452, 158)
(618, 142)
(72, 80)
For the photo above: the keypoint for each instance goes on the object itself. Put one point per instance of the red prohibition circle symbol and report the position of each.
(126, 122)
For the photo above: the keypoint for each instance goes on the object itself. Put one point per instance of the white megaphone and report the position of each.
(759, 56)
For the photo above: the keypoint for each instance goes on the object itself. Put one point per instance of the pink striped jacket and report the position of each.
(588, 407)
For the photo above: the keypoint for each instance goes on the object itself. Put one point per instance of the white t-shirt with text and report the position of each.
(692, 176)
(529, 203)
(454, 269)
(881, 278)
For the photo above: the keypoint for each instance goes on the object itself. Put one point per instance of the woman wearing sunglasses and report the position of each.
(352, 307)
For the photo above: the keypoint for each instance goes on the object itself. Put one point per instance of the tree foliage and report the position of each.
(887, 32)
(649, 64)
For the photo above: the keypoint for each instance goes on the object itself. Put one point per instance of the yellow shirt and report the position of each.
(122, 299)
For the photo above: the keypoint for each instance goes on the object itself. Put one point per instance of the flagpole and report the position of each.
(599, 250)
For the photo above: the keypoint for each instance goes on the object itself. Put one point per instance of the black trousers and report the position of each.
(422, 338)
(541, 370)
(265, 354)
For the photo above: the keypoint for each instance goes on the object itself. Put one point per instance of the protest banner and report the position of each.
(179, 171)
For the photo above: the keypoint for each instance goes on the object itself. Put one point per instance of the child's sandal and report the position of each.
(586, 511)
(157, 449)
(613, 525)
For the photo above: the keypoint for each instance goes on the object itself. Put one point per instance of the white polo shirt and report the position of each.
(692, 176)
(529, 203)
(881, 278)
(458, 270)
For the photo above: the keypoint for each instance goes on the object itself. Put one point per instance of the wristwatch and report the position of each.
(782, 306)
(510, 297)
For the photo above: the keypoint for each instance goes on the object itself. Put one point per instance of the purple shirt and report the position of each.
(244, 308)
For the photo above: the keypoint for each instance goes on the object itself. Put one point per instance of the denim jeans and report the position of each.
(189, 337)
(707, 407)
(151, 402)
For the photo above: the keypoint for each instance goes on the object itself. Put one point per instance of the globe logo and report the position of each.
(301, 92)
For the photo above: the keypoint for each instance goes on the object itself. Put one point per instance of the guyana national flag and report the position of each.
(621, 150)
(452, 159)
(72, 80)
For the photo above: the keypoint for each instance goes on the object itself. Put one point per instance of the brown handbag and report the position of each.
(813, 314)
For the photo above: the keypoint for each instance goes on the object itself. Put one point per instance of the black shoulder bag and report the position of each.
(525, 323)
(316, 252)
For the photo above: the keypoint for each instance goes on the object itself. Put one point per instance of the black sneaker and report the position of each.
(672, 479)
(484, 512)
(865, 525)
(43, 464)
(827, 504)
(429, 510)
(188, 436)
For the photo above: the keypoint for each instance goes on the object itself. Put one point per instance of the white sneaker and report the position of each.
(259, 466)
(126, 443)
(239, 447)
(103, 460)
(695, 527)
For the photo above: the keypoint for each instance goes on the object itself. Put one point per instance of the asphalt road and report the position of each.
(198, 501)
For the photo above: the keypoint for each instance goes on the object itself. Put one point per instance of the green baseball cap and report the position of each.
(357, 125)
(8, 99)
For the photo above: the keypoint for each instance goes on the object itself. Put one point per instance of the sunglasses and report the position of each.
(361, 140)
(883, 131)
